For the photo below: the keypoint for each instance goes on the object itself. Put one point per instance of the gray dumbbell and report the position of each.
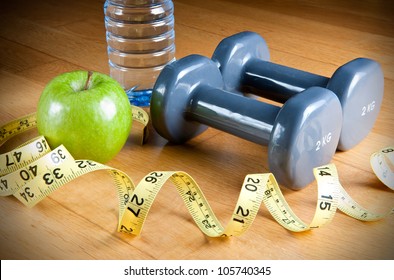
(302, 134)
(243, 60)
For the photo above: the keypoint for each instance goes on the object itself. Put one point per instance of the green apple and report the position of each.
(88, 112)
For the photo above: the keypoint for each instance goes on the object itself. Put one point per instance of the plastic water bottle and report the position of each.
(140, 42)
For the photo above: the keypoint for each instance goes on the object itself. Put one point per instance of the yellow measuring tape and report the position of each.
(33, 171)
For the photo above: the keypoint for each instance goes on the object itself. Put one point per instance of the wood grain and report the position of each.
(41, 39)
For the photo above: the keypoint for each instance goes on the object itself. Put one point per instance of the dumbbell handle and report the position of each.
(277, 82)
(244, 117)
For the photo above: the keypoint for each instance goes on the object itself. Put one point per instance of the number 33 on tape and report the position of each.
(33, 171)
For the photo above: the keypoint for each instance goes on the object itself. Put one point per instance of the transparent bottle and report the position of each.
(140, 42)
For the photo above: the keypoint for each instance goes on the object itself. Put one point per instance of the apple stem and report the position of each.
(89, 80)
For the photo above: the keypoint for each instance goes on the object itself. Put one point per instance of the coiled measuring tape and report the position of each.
(33, 171)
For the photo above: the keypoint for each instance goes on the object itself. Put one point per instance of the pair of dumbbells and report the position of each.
(304, 133)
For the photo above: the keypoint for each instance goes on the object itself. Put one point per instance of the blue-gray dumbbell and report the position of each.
(188, 97)
(243, 60)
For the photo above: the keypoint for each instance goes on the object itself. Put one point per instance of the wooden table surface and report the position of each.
(41, 39)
